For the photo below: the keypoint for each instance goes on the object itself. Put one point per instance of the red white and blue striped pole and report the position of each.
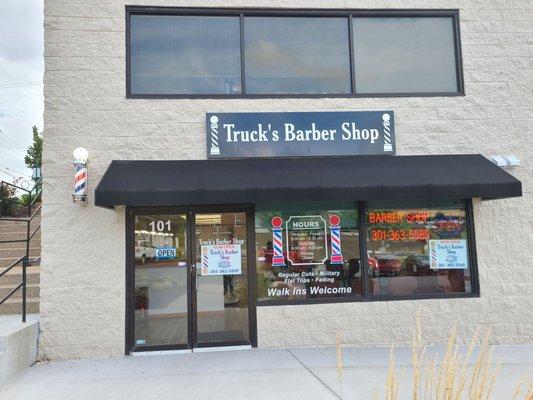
(335, 230)
(80, 175)
(277, 242)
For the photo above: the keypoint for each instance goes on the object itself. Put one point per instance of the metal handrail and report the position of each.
(22, 284)
(37, 187)
(34, 232)
(15, 186)
(25, 259)
(11, 266)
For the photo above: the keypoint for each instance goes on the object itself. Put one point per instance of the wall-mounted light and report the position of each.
(80, 177)
(499, 161)
(512, 160)
(509, 160)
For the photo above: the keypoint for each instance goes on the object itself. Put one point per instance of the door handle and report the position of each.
(196, 280)
(194, 276)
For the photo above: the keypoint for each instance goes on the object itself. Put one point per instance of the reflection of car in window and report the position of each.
(373, 266)
(267, 252)
(417, 264)
(388, 264)
(404, 254)
(144, 250)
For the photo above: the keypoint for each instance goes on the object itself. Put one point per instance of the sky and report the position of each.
(21, 76)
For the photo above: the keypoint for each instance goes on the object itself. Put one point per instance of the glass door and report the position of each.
(220, 280)
(161, 304)
(189, 283)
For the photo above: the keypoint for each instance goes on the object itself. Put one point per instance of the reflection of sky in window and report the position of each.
(395, 55)
(296, 55)
(185, 54)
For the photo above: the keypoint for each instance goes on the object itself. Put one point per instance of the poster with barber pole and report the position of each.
(221, 259)
(448, 254)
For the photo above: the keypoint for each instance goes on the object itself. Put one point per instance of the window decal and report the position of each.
(306, 240)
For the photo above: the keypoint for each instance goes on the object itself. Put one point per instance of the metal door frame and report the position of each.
(190, 213)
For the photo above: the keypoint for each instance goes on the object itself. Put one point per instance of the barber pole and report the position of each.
(80, 181)
(335, 230)
(277, 243)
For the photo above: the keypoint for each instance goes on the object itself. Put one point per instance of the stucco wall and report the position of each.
(82, 281)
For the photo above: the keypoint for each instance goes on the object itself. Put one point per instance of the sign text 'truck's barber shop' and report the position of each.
(236, 135)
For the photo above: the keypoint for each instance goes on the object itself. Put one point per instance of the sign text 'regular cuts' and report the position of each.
(299, 134)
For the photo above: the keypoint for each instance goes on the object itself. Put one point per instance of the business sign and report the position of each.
(306, 240)
(238, 135)
(448, 254)
(221, 259)
(165, 253)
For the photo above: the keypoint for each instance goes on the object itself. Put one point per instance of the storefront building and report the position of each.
(267, 176)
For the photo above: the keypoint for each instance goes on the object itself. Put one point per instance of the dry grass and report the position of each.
(340, 362)
(457, 376)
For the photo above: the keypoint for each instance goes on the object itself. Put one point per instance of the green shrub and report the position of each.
(9, 204)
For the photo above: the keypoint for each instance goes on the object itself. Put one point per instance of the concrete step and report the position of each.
(14, 306)
(18, 345)
(32, 290)
(4, 221)
(19, 224)
(16, 250)
(14, 276)
(19, 235)
(7, 261)
(9, 253)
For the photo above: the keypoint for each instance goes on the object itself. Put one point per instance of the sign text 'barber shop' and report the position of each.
(237, 135)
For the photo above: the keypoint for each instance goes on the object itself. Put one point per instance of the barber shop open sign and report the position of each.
(165, 253)
(239, 135)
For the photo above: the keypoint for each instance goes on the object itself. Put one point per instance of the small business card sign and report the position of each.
(241, 135)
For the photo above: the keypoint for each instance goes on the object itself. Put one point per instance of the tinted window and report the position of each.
(185, 55)
(418, 248)
(404, 55)
(296, 55)
(304, 261)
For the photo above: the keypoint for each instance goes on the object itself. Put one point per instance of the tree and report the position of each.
(34, 156)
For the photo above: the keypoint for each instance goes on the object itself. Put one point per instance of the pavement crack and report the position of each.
(333, 392)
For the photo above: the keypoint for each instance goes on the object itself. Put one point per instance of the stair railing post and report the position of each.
(24, 264)
(28, 239)
(1, 197)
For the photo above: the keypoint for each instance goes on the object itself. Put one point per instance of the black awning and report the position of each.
(256, 180)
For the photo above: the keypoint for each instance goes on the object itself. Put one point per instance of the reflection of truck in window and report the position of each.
(144, 250)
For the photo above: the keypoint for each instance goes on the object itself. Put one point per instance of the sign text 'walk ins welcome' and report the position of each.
(238, 135)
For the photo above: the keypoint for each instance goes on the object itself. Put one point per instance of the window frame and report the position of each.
(361, 208)
(349, 14)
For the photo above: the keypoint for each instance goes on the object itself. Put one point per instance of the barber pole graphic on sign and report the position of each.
(205, 261)
(335, 230)
(213, 127)
(277, 242)
(387, 142)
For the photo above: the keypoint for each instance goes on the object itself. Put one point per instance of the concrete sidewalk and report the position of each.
(303, 373)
